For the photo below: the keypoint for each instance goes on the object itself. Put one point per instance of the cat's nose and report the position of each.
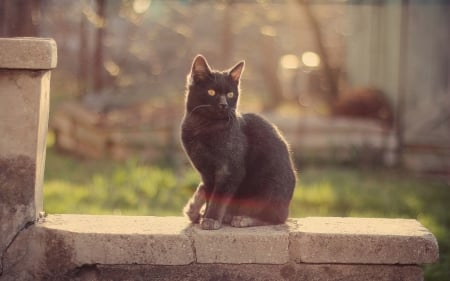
(223, 104)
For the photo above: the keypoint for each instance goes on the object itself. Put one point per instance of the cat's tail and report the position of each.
(193, 207)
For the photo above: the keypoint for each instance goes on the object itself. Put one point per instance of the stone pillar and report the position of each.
(25, 65)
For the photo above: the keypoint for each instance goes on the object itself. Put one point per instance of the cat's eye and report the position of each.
(211, 92)
(230, 95)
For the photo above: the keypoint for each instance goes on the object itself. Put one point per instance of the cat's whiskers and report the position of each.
(200, 122)
(198, 107)
(232, 117)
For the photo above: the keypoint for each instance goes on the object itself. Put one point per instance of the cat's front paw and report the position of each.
(209, 224)
(193, 214)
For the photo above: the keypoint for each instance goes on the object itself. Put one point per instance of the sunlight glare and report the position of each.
(268, 30)
(141, 6)
(112, 68)
(290, 61)
(311, 59)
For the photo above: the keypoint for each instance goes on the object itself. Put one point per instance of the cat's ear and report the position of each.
(200, 68)
(236, 71)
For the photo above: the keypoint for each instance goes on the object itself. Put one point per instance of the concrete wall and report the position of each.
(80, 247)
(84, 247)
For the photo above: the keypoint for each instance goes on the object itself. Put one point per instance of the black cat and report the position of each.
(247, 173)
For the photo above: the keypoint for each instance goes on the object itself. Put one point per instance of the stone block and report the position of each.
(62, 122)
(144, 138)
(262, 245)
(91, 136)
(81, 114)
(65, 141)
(22, 103)
(27, 53)
(361, 240)
(120, 239)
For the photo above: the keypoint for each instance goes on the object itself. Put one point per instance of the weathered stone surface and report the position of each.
(17, 178)
(361, 240)
(16, 264)
(24, 106)
(247, 272)
(122, 239)
(27, 53)
(82, 247)
(263, 245)
(23, 101)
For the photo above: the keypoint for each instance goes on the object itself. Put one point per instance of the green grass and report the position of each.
(105, 187)
(110, 188)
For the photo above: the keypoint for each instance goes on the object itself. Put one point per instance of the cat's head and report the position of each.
(212, 94)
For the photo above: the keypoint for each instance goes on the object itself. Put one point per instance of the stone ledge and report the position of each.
(174, 241)
(361, 241)
(261, 245)
(120, 239)
(28, 53)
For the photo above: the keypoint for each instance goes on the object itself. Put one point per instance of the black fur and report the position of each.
(247, 173)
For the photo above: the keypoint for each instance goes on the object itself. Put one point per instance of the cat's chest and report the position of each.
(215, 143)
(217, 147)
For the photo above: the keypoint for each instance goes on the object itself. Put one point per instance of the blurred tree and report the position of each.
(269, 68)
(20, 17)
(83, 57)
(227, 33)
(331, 81)
(99, 54)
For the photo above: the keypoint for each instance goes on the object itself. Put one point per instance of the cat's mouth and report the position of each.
(219, 114)
(214, 112)
(226, 112)
(222, 110)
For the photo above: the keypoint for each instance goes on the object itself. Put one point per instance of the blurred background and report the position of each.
(360, 89)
